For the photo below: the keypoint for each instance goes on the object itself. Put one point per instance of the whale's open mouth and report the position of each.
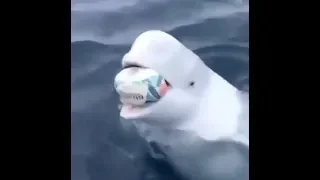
(129, 111)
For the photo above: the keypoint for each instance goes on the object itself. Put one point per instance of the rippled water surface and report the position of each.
(102, 31)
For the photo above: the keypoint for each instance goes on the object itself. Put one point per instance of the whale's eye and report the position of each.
(191, 83)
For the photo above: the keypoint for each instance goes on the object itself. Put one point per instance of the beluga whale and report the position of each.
(201, 125)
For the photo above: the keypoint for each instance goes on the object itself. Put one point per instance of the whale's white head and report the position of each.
(199, 99)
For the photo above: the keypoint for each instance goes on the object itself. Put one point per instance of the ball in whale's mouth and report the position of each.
(138, 88)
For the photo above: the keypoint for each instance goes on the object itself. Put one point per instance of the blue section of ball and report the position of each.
(154, 83)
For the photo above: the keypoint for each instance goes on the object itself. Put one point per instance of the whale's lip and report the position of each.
(132, 64)
(129, 111)
(135, 64)
(132, 112)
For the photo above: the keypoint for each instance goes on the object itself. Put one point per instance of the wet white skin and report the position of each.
(201, 125)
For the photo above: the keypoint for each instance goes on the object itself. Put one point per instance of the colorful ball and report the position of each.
(140, 86)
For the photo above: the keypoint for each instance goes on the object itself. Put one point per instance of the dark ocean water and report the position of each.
(102, 31)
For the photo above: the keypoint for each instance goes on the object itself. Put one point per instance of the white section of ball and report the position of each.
(132, 93)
